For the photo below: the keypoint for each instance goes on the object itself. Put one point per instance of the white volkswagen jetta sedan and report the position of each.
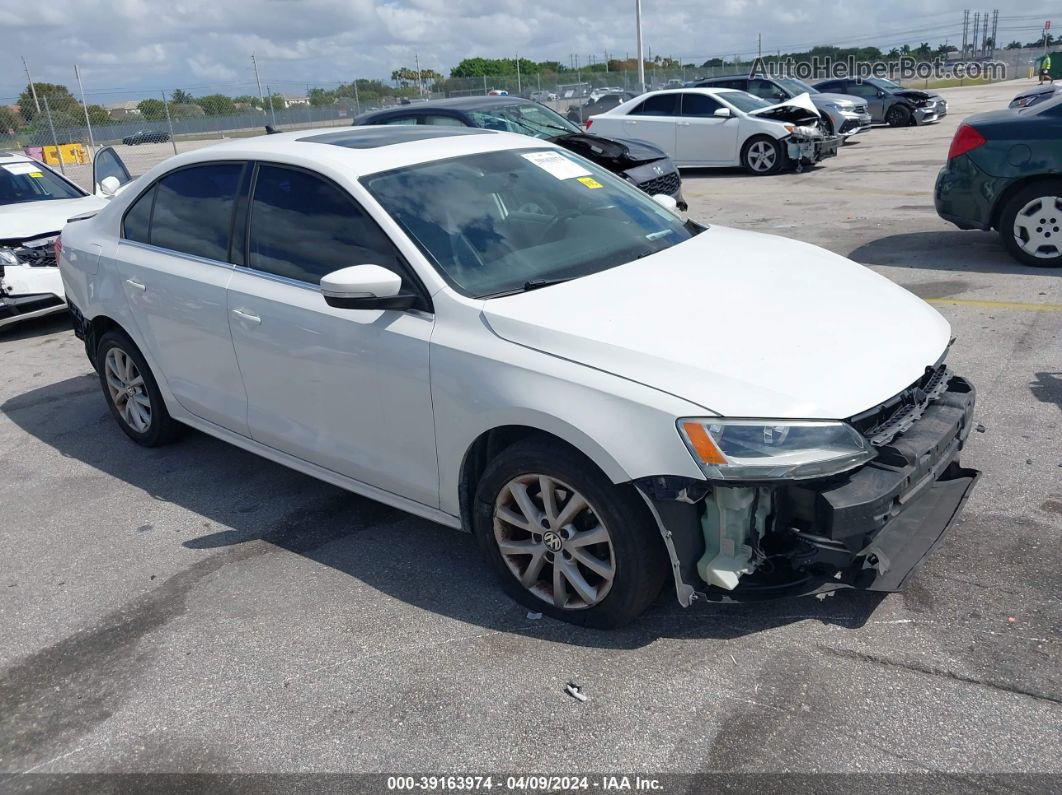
(497, 335)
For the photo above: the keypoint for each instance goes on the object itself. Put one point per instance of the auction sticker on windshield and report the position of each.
(23, 168)
(557, 165)
(590, 182)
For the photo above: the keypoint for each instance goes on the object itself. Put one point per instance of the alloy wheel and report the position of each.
(761, 156)
(1038, 227)
(127, 390)
(554, 542)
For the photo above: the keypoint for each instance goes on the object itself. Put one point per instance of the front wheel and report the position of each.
(1030, 225)
(565, 540)
(898, 116)
(762, 156)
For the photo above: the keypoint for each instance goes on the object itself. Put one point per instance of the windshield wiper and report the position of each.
(537, 284)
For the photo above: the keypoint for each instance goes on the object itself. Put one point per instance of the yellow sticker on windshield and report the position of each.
(590, 182)
(37, 174)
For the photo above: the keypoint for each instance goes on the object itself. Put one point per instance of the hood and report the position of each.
(741, 323)
(614, 152)
(26, 220)
(798, 110)
(837, 99)
(918, 97)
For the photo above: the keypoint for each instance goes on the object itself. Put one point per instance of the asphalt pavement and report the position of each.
(197, 608)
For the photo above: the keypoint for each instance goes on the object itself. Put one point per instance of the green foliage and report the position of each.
(181, 97)
(1014, 45)
(487, 67)
(151, 109)
(59, 99)
(321, 96)
(184, 110)
(98, 115)
(216, 105)
(9, 120)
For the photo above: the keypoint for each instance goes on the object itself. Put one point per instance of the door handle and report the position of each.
(138, 285)
(250, 317)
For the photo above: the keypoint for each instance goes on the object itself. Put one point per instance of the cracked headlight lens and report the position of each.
(7, 257)
(764, 449)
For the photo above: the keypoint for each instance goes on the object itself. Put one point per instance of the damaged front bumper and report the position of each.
(805, 150)
(867, 529)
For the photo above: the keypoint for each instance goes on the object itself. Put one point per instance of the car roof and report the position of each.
(358, 151)
(15, 157)
(456, 103)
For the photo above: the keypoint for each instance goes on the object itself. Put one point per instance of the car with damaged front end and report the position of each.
(500, 336)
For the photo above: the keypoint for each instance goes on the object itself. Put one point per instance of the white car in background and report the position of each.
(723, 127)
(498, 335)
(35, 204)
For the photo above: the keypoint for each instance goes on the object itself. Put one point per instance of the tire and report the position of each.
(613, 532)
(898, 116)
(762, 156)
(142, 415)
(1030, 225)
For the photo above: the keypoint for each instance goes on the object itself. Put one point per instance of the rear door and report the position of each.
(174, 259)
(875, 103)
(655, 121)
(702, 138)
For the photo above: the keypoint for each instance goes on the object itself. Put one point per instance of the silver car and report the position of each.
(844, 115)
(890, 102)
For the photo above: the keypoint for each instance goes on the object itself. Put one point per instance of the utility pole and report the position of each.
(55, 138)
(759, 45)
(420, 80)
(33, 88)
(641, 60)
(357, 105)
(965, 30)
(258, 80)
(272, 113)
(995, 28)
(84, 105)
(519, 88)
(984, 35)
(976, 28)
(169, 121)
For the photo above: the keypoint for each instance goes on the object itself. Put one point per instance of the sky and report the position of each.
(129, 48)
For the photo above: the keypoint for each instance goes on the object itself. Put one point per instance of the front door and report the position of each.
(702, 137)
(173, 257)
(345, 389)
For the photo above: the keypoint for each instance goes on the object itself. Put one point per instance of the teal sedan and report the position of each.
(1004, 172)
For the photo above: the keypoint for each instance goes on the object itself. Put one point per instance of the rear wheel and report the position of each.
(898, 116)
(1031, 224)
(565, 540)
(762, 155)
(132, 393)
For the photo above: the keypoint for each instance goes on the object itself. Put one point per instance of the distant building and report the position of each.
(123, 110)
(295, 99)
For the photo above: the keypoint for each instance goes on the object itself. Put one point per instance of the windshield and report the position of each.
(743, 101)
(796, 86)
(497, 222)
(885, 85)
(524, 119)
(32, 182)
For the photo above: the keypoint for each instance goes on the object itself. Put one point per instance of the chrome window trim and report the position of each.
(273, 277)
(174, 253)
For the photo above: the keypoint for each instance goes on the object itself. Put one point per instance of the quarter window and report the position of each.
(137, 224)
(442, 121)
(303, 227)
(192, 210)
(659, 105)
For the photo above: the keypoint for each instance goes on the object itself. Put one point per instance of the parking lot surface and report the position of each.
(196, 608)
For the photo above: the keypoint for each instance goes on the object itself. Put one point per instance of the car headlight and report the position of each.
(755, 449)
(833, 106)
(7, 256)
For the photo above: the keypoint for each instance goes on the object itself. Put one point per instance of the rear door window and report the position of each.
(699, 105)
(192, 210)
(659, 105)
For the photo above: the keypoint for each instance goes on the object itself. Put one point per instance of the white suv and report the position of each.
(495, 334)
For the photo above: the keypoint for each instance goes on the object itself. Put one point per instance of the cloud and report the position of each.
(135, 47)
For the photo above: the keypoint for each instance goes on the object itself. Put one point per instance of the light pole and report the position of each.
(641, 60)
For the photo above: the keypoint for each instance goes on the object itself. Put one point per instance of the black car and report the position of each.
(640, 163)
(146, 137)
(578, 114)
(1031, 96)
